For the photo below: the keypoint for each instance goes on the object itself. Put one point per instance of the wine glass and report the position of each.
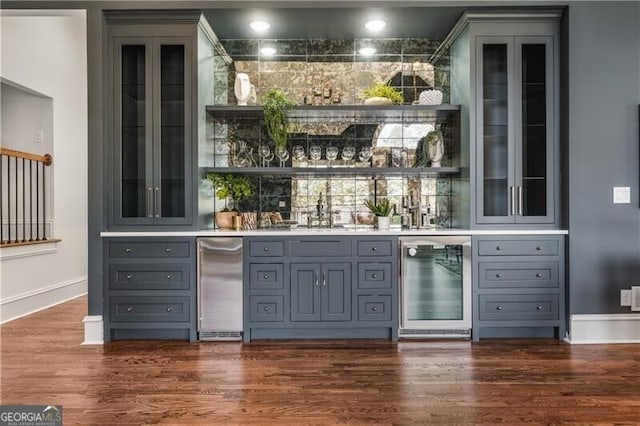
(298, 152)
(315, 152)
(265, 153)
(282, 154)
(347, 153)
(365, 154)
(332, 154)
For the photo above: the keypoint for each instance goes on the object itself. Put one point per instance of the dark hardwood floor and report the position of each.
(318, 382)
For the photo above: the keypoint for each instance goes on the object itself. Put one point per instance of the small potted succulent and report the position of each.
(234, 187)
(382, 94)
(381, 211)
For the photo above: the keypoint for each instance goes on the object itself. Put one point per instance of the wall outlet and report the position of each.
(625, 297)
(621, 195)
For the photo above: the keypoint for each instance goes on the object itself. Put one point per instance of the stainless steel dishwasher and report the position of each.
(220, 288)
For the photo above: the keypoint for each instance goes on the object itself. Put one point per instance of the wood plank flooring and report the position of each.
(314, 382)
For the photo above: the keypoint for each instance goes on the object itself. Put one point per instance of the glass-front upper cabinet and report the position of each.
(515, 130)
(151, 132)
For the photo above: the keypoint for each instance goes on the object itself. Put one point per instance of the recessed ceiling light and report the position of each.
(375, 25)
(268, 51)
(260, 26)
(367, 51)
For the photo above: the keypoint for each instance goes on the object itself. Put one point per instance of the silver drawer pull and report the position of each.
(499, 248)
(128, 250)
(538, 248)
(266, 249)
(374, 276)
(167, 250)
(374, 309)
(129, 276)
(317, 279)
(538, 275)
(168, 276)
(266, 276)
(169, 309)
(538, 308)
(498, 275)
(266, 309)
(374, 248)
(498, 308)
(129, 309)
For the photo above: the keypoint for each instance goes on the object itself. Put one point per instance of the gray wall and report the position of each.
(604, 93)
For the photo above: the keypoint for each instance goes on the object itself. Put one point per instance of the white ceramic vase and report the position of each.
(242, 88)
(383, 222)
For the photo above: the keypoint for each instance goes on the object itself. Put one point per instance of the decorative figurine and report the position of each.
(242, 88)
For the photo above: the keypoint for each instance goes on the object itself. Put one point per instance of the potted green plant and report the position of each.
(234, 187)
(382, 94)
(381, 211)
(275, 104)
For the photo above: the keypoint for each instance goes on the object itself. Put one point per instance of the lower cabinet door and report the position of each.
(336, 292)
(149, 308)
(305, 292)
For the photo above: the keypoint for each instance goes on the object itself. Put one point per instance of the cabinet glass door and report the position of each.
(495, 171)
(133, 114)
(170, 196)
(534, 154)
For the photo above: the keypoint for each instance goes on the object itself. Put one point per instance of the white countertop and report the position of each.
(329, 231)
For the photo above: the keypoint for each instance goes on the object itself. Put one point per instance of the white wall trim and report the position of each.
(30, 302)
(7, 253)
(93, 330)
(605, 329)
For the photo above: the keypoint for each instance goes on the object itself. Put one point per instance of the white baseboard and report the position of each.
(33, 301)
(93, 330)
(605, 329)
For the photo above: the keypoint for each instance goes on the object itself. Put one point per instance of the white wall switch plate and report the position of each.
(621, 195)
(38, 136)
(625, 297)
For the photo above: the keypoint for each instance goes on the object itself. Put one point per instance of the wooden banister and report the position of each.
(46, 158)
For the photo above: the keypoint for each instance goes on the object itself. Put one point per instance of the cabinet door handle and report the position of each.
(324, 280)
(374, 276)
(167, 250)
(148, 203)
(374, 309)
(168, 276)
(129, 309)
(266, 249)
(538, 248)
(512, 200)
(266, 276)
(498, 248)
(128, 250)
(129, 276)
(498, 275)
(374, 248)
(169, 309)
(155, 202)
(498, 308)
(520, 204)
(538, 308)
(317, 283)
(266, 309)
(538, 275)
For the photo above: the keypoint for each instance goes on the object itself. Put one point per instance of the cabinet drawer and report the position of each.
(151, 249)
(374, 308)
(266, 276)
(325, 248)
(149, 308)
(518, 274)
(518, 247)
(266, 248)
(266, 308)
(374, 248)
(374, 275)
(136, 276)
(518, 307)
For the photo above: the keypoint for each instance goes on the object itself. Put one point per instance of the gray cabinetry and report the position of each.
(506, 72)
(151, 116)
(320, 287)
(518, 286)
(149, 288)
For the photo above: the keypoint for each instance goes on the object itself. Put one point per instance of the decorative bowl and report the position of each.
(430, 97)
